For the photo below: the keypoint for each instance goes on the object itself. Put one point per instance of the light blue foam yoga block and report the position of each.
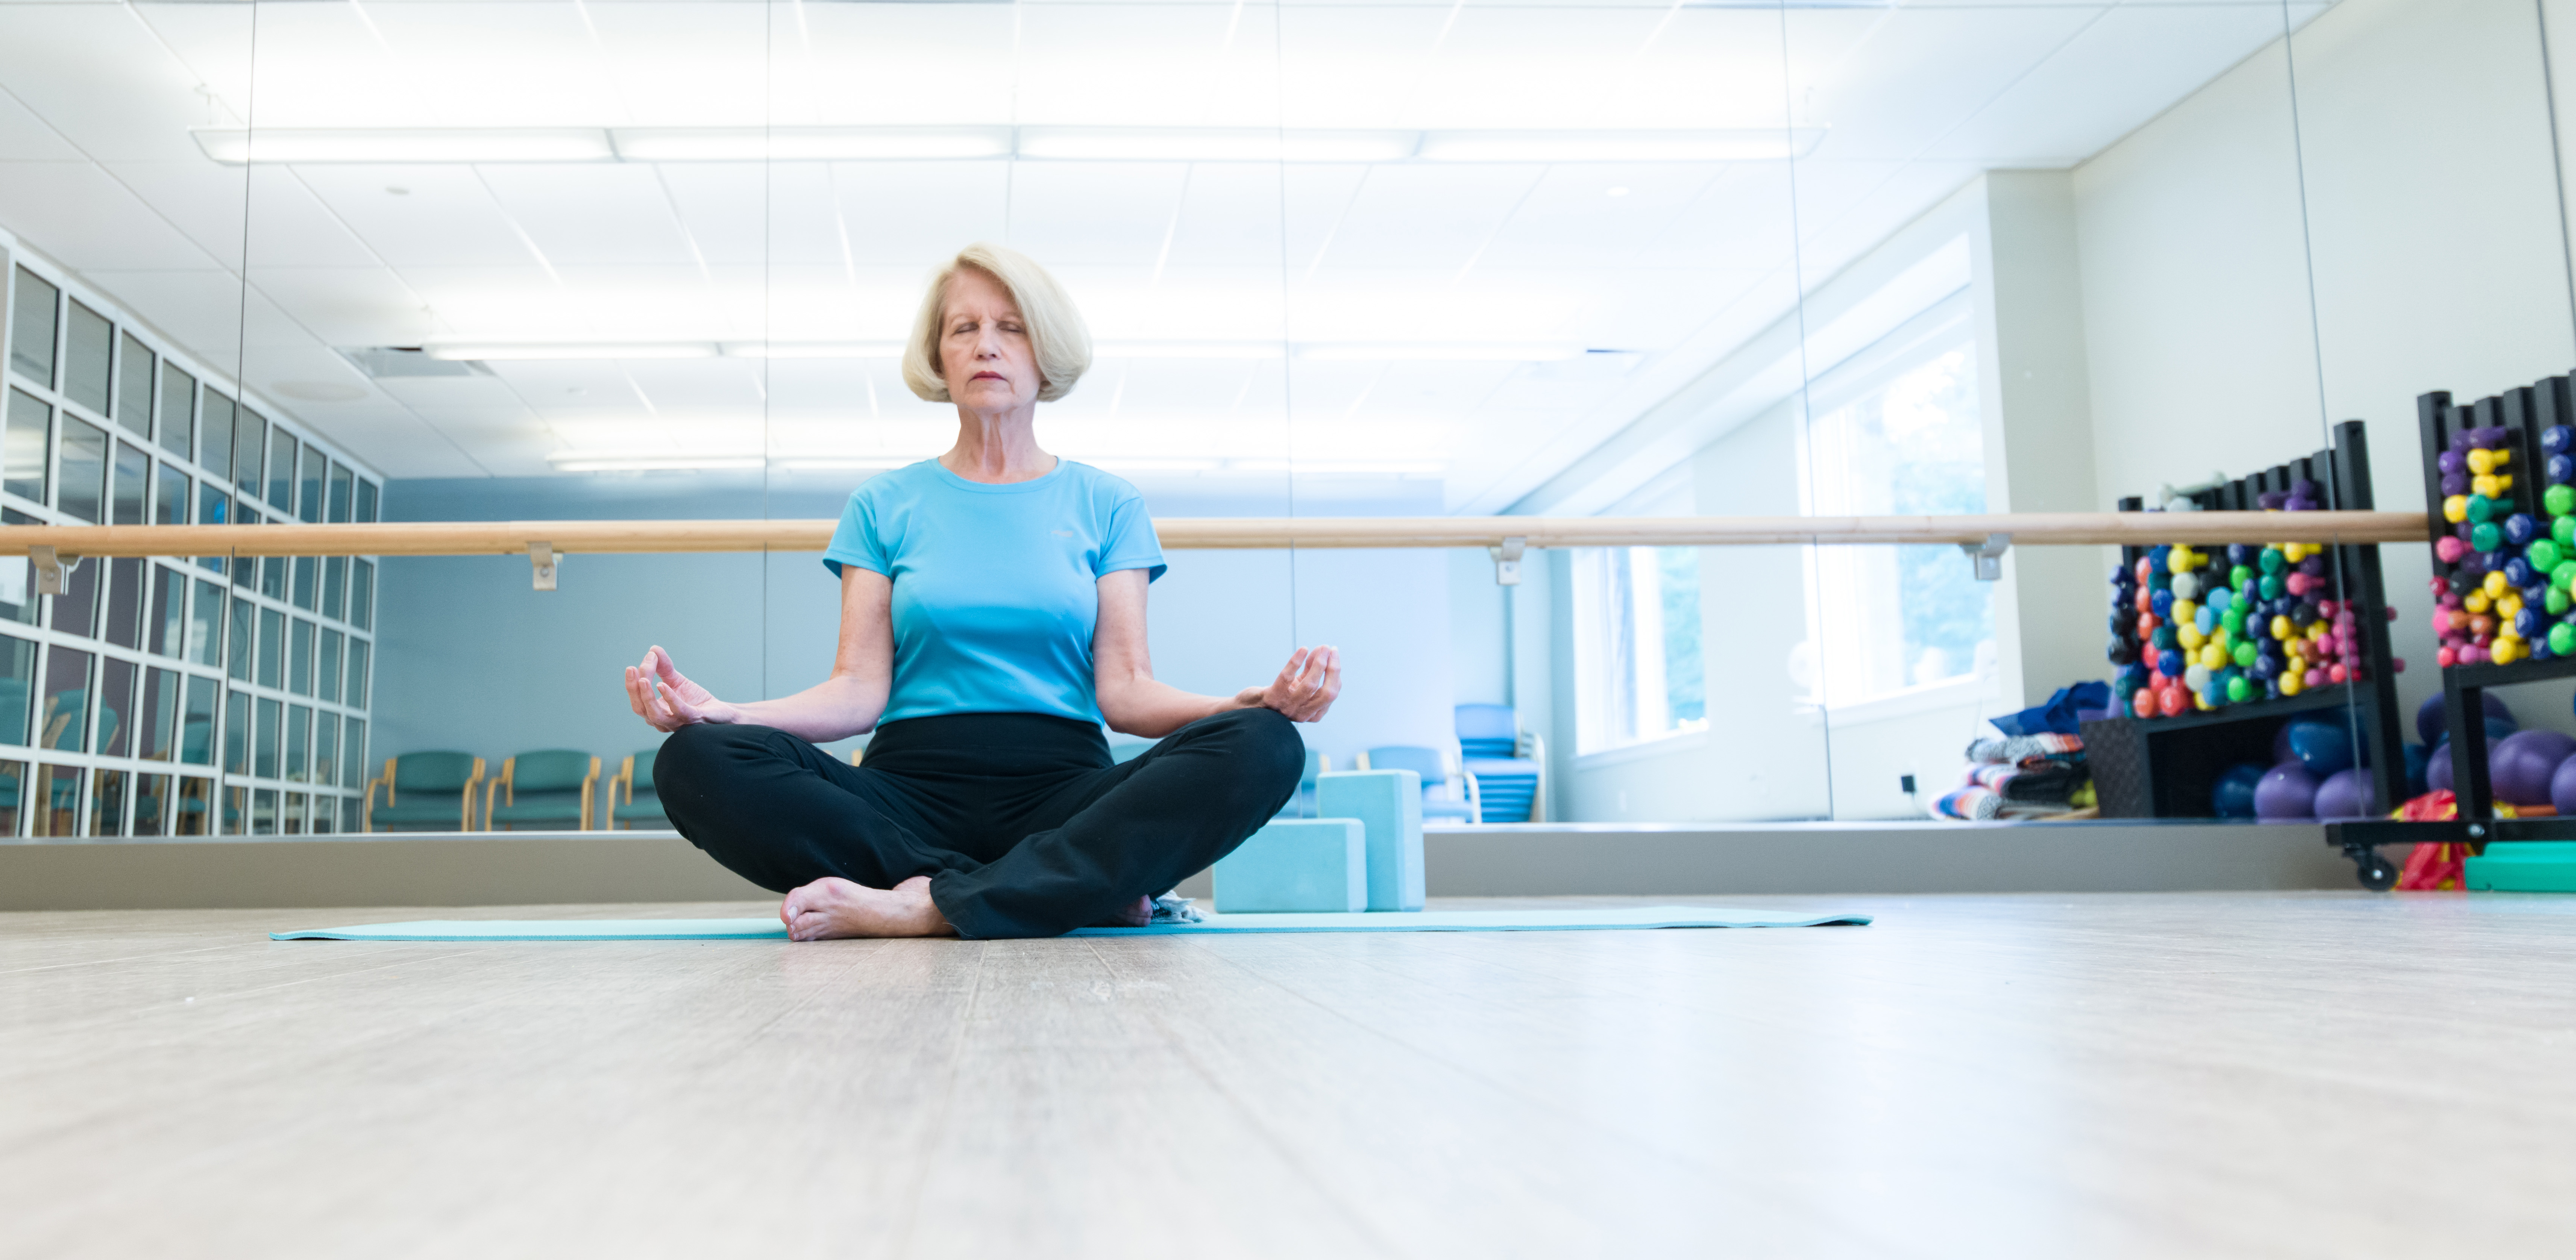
(1389, 804)
(1298, 866)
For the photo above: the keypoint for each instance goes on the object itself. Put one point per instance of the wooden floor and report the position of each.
(2186, 1074)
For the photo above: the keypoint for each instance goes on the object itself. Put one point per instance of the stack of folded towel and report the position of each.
(2021, 776)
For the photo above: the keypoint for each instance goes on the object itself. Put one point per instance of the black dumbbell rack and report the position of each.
(2163, 767)
(2524, 414)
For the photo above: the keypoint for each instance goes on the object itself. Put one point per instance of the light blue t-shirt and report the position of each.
(996, 588)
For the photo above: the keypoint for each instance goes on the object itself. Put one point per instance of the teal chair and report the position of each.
(633, 805)
(549, 790)
(424, 791)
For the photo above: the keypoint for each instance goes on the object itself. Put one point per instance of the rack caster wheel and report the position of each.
(2376, 873)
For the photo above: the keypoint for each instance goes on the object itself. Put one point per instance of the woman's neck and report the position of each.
(998, 449)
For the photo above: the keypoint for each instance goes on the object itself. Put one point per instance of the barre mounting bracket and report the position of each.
(1989, 556)
(542, 559)
(52, 570)
(1507, 561)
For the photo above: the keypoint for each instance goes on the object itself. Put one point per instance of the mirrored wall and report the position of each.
(579, 260)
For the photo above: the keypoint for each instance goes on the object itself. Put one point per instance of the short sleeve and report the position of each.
(855, 540)
(1129, 542)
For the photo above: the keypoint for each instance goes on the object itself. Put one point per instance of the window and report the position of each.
(217, 415)
(134, 386)
(1637, 645)
(129, 499)
(31, 328)
(281, 469)
(308, 486)
(22, 447)
(84, 484)
(17, 685)
(88, 359)
(250, 437)
(170, 497)
(1896, 431)
(178, 411)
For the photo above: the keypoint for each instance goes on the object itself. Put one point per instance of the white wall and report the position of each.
(2439, 260)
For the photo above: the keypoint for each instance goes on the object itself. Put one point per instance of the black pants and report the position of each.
(1022, 822)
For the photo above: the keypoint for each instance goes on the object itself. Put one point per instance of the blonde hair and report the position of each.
(1057, 335)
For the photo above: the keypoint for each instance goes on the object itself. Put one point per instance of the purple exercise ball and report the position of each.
(2286, 792)
(2344, 794)
(2522, 764)
(2431, 723)
(2437, 769)
(2562, 788)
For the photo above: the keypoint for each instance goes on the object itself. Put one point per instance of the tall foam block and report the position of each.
(1297, 866)
(1389, 804)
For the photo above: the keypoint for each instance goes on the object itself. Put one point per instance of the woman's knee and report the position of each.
(696, 757)
(1267, 741)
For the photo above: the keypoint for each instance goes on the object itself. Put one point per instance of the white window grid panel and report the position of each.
(250, 508)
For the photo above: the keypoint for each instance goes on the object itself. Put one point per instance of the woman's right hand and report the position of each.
(675, 702)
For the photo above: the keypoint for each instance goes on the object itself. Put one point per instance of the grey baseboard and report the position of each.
(1523, 860)
(1533, 859)
(429, 870)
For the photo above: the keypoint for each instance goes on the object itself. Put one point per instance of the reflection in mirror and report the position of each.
(2422, 289)
(1337, 261)
(121, 245)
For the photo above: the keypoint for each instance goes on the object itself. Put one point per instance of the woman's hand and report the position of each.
(676, 702)
(1304, 690)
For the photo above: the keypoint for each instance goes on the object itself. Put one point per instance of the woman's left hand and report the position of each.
(1304, 691)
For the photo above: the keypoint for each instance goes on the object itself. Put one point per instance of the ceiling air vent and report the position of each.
(391, 362)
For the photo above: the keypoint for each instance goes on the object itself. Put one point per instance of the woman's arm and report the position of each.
(1135, 704)
(845, 704)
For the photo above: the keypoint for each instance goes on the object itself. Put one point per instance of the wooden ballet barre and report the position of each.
(511, 538)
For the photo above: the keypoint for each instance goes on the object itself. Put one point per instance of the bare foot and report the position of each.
(1137, 914)
(831, 907)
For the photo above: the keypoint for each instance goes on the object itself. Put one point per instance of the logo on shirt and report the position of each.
(1061, 533)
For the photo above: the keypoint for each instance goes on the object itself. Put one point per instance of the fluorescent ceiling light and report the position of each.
(809, 144)
(1751, 144)
(493, 352)
(813, 349)
(1192, 350)
(1212, 144)
(1437, 352)
(1320, 352)
(235, 146)
(579, 461)
(840, 463)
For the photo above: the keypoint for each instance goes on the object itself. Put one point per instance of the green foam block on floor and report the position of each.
(1568, 920)
(2523, 866)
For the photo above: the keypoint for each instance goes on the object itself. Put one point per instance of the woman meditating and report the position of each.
(992, 615)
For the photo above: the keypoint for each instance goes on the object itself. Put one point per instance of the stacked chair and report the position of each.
(1442, 781)
(549, 790)
(1505, 767)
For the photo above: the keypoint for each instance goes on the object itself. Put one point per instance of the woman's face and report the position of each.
(984, 347)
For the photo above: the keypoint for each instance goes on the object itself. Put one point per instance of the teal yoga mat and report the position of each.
(1215, 925)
